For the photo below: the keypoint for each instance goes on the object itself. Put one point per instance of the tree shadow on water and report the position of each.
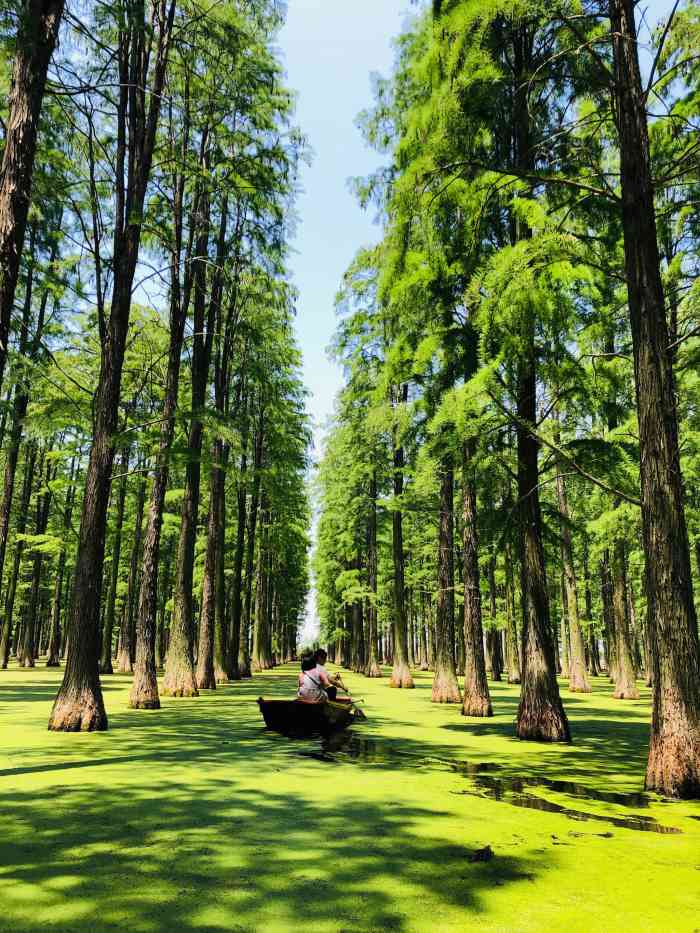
(222, 857)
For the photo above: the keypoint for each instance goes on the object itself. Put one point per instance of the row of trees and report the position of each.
(520, 407)
(154, 510)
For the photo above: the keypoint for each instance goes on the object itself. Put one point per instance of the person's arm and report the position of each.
(323, 677)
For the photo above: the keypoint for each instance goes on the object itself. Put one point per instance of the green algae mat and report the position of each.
(196, 818)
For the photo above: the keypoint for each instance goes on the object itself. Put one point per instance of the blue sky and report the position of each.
(330, 48)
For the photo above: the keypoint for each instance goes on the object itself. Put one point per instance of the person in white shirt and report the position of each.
(335, 680)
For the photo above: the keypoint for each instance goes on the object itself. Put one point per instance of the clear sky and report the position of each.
(330, 48)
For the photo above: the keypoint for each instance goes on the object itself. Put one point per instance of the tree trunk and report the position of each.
(541, 715)
(493, 636)
(221, 632)
(400, 674)
(674, 753)
(513, 652)
(237, 585)
(79, 705)
(27, 484)
(445, 683)
(244, 647)
(625, 685)
(205, 653)
(106, 653)
(372, 668)
(36, 40)
(29, 648)
(477, 701)
(125, 651)
(578, 681)
(262, 659)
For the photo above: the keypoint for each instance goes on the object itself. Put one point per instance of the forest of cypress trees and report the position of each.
(525, 335)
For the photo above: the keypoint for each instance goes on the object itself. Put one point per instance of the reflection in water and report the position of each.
(487, 782)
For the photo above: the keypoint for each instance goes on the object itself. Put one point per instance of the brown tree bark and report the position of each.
(244, 647)
(79, 705)
(477, 701)
(205, 653)
(494, 652)
(445, 684)
(54, 649)
(27, 485)
(106, 652)
(30, 642)
(144, 694)
(674, 752)
(221, 629)
(237, 585)
(625, 685)
(261, 657)
(400, 674)
(180, 677)
(541, 715)
(512, 642)
(578, 681)
(36, 39)
(372, 668)
(125, 650)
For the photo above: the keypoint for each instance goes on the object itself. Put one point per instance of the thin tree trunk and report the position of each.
(237, 585)
(625, 685)
(36, 39)
(106, 653)
(205, 653)
(445, 684)
(244, 647)
(578, 681)
(28, 650)
(27, 484)
(513, 652)
(493, 639)
(221, 632)
(125, 652)
(400, 674)
(372, 668)
(477, 701)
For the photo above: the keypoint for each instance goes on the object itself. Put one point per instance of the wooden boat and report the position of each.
(293, 717)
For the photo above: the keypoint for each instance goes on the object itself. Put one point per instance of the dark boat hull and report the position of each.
(292, 717)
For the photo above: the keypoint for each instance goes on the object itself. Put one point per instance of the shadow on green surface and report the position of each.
(232, 851)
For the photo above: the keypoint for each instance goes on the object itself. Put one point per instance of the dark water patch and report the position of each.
(517, 784)
(488, 782)
(635, 821)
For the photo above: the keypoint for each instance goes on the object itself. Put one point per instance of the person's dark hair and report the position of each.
(308, 664)
(321, 655)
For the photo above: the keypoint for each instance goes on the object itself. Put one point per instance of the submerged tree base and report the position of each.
(144, 692)
(673, 769)
(373, 670)
(578, 681)
(626, 691)
(476, 704)
(542, 719)
(78, 710)
(446, 689)
(179, 683)
(401, 677)
(206, 679)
